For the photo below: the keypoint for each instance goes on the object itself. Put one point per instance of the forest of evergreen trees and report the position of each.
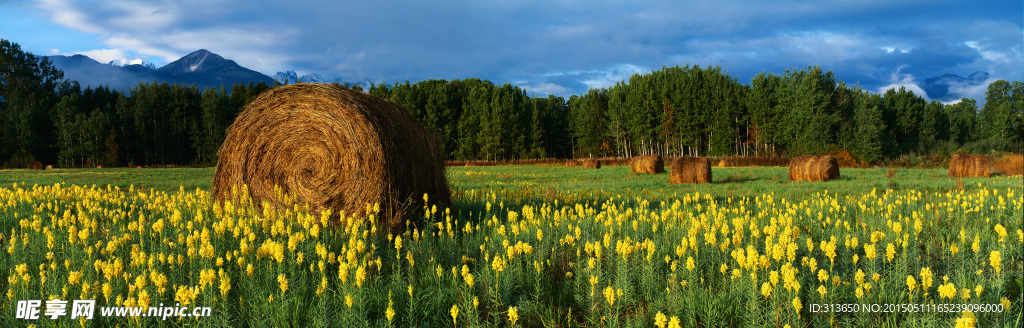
(674, 111)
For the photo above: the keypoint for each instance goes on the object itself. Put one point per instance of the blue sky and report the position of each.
(556, 47)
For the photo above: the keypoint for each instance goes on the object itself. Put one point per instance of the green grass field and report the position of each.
(531, 246)
(543, 180)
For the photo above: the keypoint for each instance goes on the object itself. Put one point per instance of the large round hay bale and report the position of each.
(591, 163)
(690, 170)
(35, 165)
(970, 166)
(332, 148)
(650, 164)
(813, 168)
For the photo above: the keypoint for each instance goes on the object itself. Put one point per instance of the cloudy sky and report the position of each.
(547, 46)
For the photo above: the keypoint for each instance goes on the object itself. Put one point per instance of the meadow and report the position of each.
(532, 246)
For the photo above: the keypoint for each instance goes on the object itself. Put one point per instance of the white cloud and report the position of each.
(544, 88)
(903, 80)
(976, 92)
(605, 77)
(108, 55)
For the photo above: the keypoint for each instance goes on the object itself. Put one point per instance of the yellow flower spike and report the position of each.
(390, 312)
(348, 300)
(996, 261)
(673, 322)
(360, 276)
(513, 315)
(283, 283)
(455, 314)
(609, 295)
(766, 289)
(660, 320)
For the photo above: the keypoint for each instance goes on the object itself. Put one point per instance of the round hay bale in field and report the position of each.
(813, 168)
(572, 163)
(970, 166)
(591, 164)
(724, 163)
(49, 167)
(35, 165)
(690, 170)
(332, 148)
(650, 164)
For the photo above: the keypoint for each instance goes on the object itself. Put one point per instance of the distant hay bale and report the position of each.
(721, 163)
(1010, 164)
(332, 148)
(813, 168)
(572, 163)
(970, 166)
(650, 164)
(690, 170)
(591, 163)
(49, 167)
(35, 165)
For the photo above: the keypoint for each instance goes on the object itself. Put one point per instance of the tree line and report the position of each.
(673, 111)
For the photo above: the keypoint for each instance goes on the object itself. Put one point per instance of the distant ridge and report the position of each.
(939, 87)
(201, 68)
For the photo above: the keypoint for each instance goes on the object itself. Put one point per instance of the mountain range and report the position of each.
(201, 68)
(206, 69)
(949, 87)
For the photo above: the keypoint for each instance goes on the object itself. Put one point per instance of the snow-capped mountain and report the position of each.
(293, 77)
(133, 62)
(201, 68)
(949, 87)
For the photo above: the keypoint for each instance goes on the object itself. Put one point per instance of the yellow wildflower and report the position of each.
(995, 259)
(513, 314)
(660, 320)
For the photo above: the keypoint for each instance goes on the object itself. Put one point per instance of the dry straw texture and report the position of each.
(36, 165)
(813, 168)
(969, 166)
(1010, 164)
(591, 163)
(572, 163)
(650, 164)
(690, 170)
(333, 148)
(724, 163)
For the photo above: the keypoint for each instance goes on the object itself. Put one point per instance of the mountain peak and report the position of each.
(201, 68)
(196, 61)
(942, 87)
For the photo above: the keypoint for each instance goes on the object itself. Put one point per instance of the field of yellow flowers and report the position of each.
(888, 258)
